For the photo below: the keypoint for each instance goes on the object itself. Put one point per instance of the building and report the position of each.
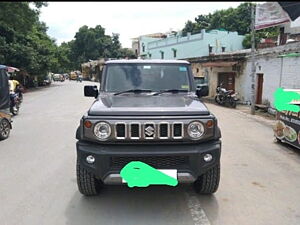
(222, 68)
(275, 67)
(177, 47)
(144, 38)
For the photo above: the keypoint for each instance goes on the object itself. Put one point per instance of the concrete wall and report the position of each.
(268, 63)
(192, 45)
(270, 66)
(144, 41)
(211, 74)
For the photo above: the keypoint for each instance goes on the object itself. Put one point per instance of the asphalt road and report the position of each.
(259, 178)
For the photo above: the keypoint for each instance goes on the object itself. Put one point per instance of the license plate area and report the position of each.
(170, 172)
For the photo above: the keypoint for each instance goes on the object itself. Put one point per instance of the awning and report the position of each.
(219, 64)
(12, 69)
(295, 54)
(291, 8)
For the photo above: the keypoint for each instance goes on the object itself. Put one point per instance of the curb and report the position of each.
(267, 122)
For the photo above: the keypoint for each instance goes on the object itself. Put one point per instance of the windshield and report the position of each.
(199, 80)
(155, 77)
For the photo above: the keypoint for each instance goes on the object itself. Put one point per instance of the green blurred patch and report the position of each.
(139, 174)
(283, 99)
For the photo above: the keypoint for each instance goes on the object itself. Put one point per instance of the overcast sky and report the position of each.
(129, 19)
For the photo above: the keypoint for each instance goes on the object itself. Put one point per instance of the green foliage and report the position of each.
(127, 53)
(23, 39)
(270, 32)
(25, 44)
(238, 19)
(92, 44)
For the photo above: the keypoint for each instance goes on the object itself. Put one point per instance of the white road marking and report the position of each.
(198, 215)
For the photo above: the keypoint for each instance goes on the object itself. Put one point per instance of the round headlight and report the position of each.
(102, 130)
(195, 130)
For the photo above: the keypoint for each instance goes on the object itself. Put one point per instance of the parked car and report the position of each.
(58, 77)
(73, 76)
(66, 76)
(147, 111)
(5, 117)
(47, 81)
(202, 85)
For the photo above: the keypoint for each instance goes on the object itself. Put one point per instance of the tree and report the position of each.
(90, 44)
(24, 41)
(116, 46)
(127, 53)
(238, 19)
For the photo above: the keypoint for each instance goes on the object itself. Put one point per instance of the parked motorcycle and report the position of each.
(226, 96)
(15, 103)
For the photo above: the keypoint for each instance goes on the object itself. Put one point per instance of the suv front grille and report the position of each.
(157, 162)
(120, 131)
(135, 131)
(149, 130)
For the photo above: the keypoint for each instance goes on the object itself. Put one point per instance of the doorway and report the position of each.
(259, 89)
(227, 80)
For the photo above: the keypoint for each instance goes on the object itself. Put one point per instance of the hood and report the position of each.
(144, 105)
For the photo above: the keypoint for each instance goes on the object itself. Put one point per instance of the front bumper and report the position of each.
(186, 158)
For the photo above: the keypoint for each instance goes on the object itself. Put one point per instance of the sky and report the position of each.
(129, 19)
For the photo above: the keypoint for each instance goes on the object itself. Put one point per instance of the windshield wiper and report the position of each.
(136, 91)
(169, 90)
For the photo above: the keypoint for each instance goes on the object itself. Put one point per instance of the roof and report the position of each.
(147, 61)
(9, 68)
(292, 9)
(219, 64)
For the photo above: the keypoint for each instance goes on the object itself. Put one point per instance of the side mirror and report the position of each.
(91, 91)
(198, 92)
(202, 91)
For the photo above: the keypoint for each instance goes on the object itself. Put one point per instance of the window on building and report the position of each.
(174, 53)
(162, 54)
(150, 55)
(210, 49)
(136, 52)
(197, 70)
(223, 49)
(143, 47)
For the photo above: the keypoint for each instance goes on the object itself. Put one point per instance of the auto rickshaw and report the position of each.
(5, 117)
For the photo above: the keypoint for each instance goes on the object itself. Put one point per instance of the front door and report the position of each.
(260, 81)
(227, 80)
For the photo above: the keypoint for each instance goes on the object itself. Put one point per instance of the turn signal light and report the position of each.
(88, 124)
(210, 124)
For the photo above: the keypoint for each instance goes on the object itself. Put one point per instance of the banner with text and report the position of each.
(269, 14)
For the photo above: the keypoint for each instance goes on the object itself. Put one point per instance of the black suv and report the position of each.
(147, 111)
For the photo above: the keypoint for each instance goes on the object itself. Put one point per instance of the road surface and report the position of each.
(259, 178)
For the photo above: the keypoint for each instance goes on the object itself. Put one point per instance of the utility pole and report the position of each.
(253, 67)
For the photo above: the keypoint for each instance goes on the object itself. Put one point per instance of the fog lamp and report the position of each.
(90, 159)
(207, 157)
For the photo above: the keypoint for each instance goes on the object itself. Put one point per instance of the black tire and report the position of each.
(233, 103)
(208, 183)
(13, 111)
(87, 183)
(217, 99)
(4, 129)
